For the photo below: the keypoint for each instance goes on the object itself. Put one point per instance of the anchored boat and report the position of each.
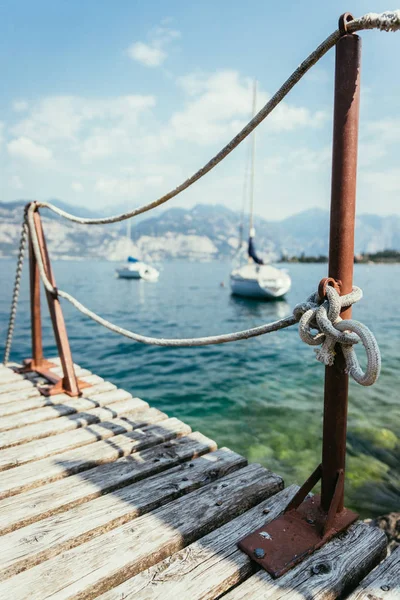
(136, 269)
(256, 279)
(260, 281)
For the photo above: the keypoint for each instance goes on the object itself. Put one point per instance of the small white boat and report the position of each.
(135, 269)
(260, 281)
(256, 279)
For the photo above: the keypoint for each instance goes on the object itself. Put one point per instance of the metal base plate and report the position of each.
(56, 383)
(287, 540)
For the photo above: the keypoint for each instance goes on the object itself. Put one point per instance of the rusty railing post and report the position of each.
(341, 252)
(36, 319)
(309, 522)
(69, 381)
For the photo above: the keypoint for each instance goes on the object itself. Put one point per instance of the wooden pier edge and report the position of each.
(105, 497)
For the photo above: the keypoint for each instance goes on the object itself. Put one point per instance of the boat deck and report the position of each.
(106, 497)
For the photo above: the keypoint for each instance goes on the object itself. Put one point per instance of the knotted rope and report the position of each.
(324, 317)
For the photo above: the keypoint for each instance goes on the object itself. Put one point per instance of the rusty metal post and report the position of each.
(341, 252)
(69, 382)
(309, 522)
(36, 320)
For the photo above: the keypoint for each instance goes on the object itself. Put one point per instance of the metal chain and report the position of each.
(17, 282)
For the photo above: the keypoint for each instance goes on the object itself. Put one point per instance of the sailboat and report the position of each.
(135, 268)
(257, 279)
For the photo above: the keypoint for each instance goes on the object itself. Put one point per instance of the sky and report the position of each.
(112, 104)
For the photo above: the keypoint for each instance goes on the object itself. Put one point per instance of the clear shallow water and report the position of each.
(261, 397)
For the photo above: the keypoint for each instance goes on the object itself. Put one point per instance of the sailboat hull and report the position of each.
(138, 270)
(261, 282)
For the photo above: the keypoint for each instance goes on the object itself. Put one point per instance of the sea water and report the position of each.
(261, 397)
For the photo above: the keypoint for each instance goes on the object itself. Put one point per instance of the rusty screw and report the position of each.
(259, 553)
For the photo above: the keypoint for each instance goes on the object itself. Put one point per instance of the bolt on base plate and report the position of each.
(284, 542)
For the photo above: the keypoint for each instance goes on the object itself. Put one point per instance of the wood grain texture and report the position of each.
(383, 583)
(70, 406)
(16, 385)
(107, 560)
(109, 426)
(18, 395)
(327, 574)
(207, 568)
(7, 375)
(53, 498)
(62, 465)
(39, 401)
(36, 431)
(40, 541)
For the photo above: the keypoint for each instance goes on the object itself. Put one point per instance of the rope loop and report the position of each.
(323, 315)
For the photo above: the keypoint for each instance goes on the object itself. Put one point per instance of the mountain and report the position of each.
(203, 232)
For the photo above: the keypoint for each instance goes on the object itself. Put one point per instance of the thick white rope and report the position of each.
(313, 314)
(387, 21)
(331, 330)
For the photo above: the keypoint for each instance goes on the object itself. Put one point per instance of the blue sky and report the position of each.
(115, 103)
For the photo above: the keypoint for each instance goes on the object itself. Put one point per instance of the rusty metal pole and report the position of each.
(341, 252)
(36, 320)
(69, 382)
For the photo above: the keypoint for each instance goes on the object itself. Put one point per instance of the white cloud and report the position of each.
(127, 186)
(16, 182)
(120, 148)
(76, 186)
(63, 117)
(20, 106)
(146, 54)
(219, 106)
(387, 180)
(153, 53)
(26, 148)
(1, 134)
(301, 160)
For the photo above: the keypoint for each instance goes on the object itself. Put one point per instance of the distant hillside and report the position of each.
(201, 233)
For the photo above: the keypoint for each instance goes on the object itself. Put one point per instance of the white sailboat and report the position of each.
(256, 279)
(135, 268)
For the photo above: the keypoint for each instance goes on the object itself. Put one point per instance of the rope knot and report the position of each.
(323, 316)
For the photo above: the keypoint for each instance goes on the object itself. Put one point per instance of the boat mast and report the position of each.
(253, 153)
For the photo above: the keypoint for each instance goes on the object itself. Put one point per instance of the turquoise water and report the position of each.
(261, 397)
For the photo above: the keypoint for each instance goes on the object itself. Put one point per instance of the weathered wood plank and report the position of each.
(70, 406)
(95, 566)
(40, 541)
(36, 431)
(209, 567)
(109, 427)
(383, 583)
(7, 375)
(18, 395)
(79, 372)
(39, 401)
(14, 386)
(23, 509)
(327, 574)
(58, 466)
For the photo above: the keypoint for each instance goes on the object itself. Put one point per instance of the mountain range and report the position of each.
(203, 232)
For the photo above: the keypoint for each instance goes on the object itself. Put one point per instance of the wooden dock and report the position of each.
(106, 497)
